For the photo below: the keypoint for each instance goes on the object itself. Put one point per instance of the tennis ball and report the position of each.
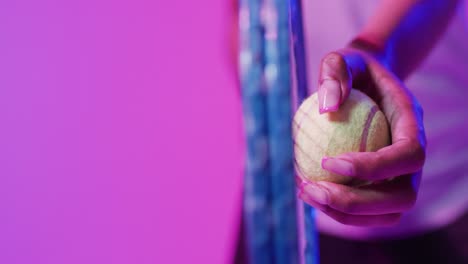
(358, 125)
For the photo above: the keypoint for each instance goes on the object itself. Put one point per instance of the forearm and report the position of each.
(402, 32)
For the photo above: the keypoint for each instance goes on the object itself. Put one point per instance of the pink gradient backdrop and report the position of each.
(120, 137)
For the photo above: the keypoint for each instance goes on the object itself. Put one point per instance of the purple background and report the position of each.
(120, 137)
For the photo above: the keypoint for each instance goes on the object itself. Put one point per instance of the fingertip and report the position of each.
(316, 193)
(324, 160)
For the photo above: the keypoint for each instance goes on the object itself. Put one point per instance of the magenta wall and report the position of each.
(120, 137)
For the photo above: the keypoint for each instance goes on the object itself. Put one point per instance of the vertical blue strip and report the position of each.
(257, 215)
(269, 190)
(279, 102)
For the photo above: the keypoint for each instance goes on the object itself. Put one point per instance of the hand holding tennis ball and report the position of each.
(342, 138)
(358, 125)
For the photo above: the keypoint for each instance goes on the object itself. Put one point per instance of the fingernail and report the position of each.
(316, 193)
(329, 96)
(338, 166)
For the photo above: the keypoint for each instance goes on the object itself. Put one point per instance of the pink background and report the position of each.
(120, 137)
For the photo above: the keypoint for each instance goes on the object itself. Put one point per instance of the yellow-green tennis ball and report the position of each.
(358, 125)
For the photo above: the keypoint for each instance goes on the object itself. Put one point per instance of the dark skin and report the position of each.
(389, 48)
(380, 203)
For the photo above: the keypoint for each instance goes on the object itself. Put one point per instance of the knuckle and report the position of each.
(368, 165)
(334, 60)
(418, 152)
(342, 218)
(384, 80)
(347, 205)
(373, 167)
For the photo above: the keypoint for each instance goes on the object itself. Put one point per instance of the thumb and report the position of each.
(338, 71)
